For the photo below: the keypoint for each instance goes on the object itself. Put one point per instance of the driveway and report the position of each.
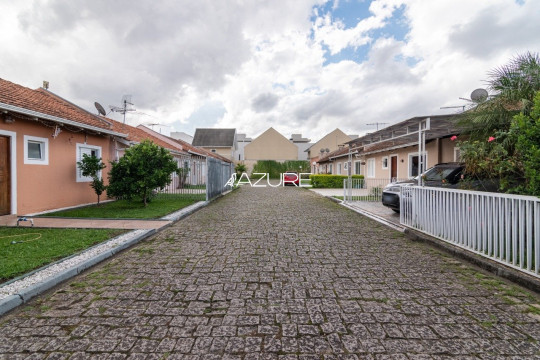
(277, 274)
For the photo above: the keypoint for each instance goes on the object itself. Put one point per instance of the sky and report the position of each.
(300, 66)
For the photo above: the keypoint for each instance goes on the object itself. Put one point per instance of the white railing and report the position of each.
(502, 227)
(364, 189)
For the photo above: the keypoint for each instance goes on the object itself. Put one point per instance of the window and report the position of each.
(213, 150)
(36, 150)
(89, 150)
(330, 171)
(339, 169)
(457, 155)
(385, 162)
(357, 168)
(371, 168)
(414, 164)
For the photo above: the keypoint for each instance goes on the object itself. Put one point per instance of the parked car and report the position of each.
(291, 178)
(444, 174)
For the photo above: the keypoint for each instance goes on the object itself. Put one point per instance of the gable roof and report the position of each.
(185, 146)
(327, 136)
(137, 135)
(214, 137)
(46, 105)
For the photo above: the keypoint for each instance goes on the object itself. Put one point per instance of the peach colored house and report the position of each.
(328, 143)
(42, 136)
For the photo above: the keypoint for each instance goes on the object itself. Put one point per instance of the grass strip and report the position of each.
(159, 206)
(25, 249)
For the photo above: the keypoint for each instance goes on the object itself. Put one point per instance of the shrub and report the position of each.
(143, 168)
(330, 181)
(91, 166)
(275, 168)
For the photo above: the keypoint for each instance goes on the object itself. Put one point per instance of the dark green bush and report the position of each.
(330, 181)
(275, 168)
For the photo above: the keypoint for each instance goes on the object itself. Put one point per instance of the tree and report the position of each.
(489, 150)
(239, 169)
(143, 168)
(90, 165)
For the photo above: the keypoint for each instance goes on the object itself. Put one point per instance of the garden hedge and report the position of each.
(330, 181)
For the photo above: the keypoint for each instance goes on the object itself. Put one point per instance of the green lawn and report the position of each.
(159, 206)
(25, 249)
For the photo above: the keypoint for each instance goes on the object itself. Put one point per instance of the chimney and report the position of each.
(45, 84)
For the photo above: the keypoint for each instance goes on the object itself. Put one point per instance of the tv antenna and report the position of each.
(156, 124)
(100, 109)
(377, 124)
(126, 102)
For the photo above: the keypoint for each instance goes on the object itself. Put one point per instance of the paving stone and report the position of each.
(276, 274)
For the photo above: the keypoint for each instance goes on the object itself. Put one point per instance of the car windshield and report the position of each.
(438, 173)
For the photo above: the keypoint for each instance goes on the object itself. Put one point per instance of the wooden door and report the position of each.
(5, 179)
(393, 168)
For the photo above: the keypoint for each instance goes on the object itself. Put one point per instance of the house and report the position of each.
(392, 152)
(302, 144)
(42, 136)
(219, 141)
(336, 162)
(270, 145)
(329, 142)
(241, 141)
(180, 135)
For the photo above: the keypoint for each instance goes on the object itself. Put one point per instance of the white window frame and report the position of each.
(370, 163)
(330, 166)
(359, 168)
(409, 164)
(78, 157)
(44, 150)
(384, 167)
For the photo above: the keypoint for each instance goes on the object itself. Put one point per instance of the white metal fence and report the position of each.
(190, 180)
(364, 189)
(505, 228)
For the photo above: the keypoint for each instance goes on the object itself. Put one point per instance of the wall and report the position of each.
(437, 152)
(271, 145)
(45, 187)
(226, 152)
(329, 141)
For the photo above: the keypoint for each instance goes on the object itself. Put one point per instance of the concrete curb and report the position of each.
(520, 278)
(12, 301)
(491, 266)
(9, 303)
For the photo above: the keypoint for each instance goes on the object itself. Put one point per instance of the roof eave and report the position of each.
(37, 114)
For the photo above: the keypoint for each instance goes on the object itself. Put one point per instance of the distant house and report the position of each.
(392, 152)
(336, 163)
(42, 136)
(302, 144)
(241, 141)
(219, 141)
(328, 143)
(180, 135)
(270, 145)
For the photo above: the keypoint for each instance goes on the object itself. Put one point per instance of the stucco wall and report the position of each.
(45, 187)
(436, 153)
(226, 152)
(329, 141)
(271, 145)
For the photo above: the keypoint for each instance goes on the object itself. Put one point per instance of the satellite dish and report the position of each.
(100, 108)
(479, 95)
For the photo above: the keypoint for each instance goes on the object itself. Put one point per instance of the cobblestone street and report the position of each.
(277, 273)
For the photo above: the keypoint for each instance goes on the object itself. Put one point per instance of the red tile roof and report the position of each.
(45, 102)
(138, 135)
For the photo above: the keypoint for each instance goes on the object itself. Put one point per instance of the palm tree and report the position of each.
(513, 87)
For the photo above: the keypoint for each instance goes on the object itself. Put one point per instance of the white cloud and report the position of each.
(264, 62)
